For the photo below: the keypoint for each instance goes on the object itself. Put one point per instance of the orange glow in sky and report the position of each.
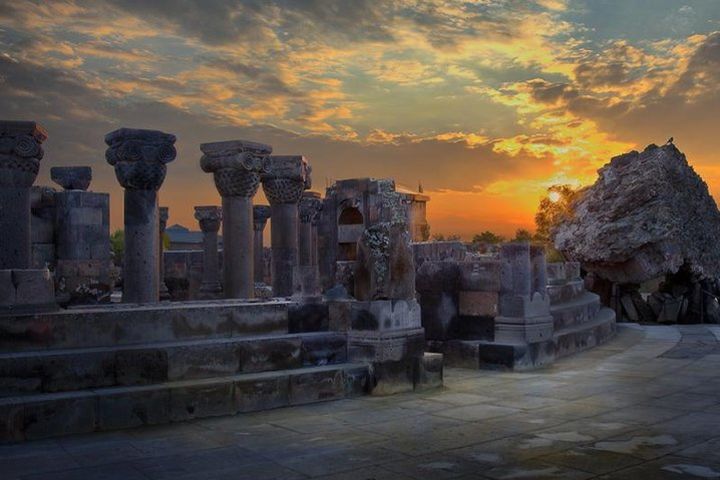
(487, 103)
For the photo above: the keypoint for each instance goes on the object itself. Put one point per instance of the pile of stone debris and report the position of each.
(648, 216)
(688, 301)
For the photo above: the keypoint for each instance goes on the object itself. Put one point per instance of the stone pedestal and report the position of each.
(164, 215)
(140, 158)
(261, 213)
(386, 333)
(236, 166)
(20, 155)
(82, 237)
(283, 184)
(524, 313)
(209, 218)
(42, 226)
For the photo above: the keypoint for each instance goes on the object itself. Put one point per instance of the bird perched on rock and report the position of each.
(670, 141)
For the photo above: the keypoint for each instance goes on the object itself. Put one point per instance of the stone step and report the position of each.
(129, 324)
(566, 292)
(576, 312)
(577, 338)
(48, 371)
(54, 414)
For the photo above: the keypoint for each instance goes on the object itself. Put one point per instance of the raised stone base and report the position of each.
(48, 415)
(526, 356)
(388, 335)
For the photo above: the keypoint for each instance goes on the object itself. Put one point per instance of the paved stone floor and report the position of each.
(645, 406)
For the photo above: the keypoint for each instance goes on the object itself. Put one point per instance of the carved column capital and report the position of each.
(72, 178)
(140, 157)
(261, 213)
(309, 208)
(236, 165)
(286, 179)
(20, 153)
(209, 217)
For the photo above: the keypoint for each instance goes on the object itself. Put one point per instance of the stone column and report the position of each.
(140, 158)
(209, 218)
(288, 177)
(309, 210)
(261, 213)
(164, 215)
(20, 155)
(236, 166)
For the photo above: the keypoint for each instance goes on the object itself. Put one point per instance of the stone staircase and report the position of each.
(116, 367)
(580, 321)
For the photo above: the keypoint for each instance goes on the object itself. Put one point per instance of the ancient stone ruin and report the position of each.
(648, 217)
(346, 301)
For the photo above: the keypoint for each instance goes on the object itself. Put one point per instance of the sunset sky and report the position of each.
(487, 103)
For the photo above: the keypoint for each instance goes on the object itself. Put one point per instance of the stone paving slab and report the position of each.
(621, 411)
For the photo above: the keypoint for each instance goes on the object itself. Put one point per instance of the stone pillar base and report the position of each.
(83, 281)
(389, 335)
(29, 291)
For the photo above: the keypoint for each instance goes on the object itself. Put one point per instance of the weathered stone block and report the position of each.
(202, 361)
(316, 386)
(265, 355)
(556, 273)
(204, 399)
(475, 303)
(384, 315)
(33, 288)
(262, 392)
(58, 413)
(325, 350)
(7, 289)
(61, 373)
(11, 420)
(310, 316)
(390, 378)
(438, 311)
(141, 367)
(481, 275)
(126, 408)
(429, 371)
(357, 381)
(435, 276)
(340, 315)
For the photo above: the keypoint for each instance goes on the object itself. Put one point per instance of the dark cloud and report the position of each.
(226, 21)
(547, 92)
(703, 72)
(266, 82)
(602, 74)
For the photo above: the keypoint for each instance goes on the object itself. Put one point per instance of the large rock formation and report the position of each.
(647, 215)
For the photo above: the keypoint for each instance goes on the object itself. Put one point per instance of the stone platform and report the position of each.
(643, 406)
(579, 322)
(93, 369)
